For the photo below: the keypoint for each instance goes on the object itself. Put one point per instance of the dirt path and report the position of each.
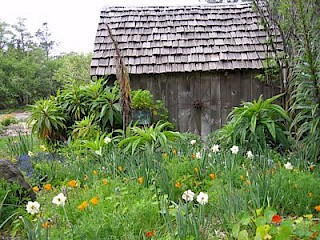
(18, 128)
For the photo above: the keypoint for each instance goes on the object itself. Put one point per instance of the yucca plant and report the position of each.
(47, 120)
(258, 124)
(156, 137)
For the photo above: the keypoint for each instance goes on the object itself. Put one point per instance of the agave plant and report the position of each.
(156, 137)
(257, 124)
(47, 120)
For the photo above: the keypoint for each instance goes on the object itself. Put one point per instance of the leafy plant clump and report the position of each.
(142, 100)
(7, 120)
(260, 124)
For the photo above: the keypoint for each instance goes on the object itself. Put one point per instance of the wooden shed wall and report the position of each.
(218, 92)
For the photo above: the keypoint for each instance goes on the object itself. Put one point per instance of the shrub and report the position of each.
(142, 99)
(8, 119)
(258, 124)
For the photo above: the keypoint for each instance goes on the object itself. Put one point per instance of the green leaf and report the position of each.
(243, 235)
(236, 230)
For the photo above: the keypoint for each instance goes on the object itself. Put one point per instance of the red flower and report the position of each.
(276, 219)
(150, 234)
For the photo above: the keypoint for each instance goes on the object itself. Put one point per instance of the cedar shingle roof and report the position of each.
(180, 39)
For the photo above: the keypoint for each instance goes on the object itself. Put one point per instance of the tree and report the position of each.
(75, 68)
(24, 67)
(44, 36)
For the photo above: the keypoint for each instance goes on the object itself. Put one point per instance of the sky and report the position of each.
(72, 23)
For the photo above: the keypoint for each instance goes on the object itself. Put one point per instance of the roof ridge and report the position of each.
(218, 5)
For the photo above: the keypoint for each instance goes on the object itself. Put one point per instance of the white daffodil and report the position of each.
(188, 196)
(202, 198)
(31, 154)
(107, 140)
(234, 149)
(250, 155)
(33, 207)
(59, 200)
(215, 148)
(288, 166)
(198, 155)
(193, 142)
(99, 152)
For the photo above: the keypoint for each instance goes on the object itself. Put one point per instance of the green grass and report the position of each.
(3, 147)
(143, 198)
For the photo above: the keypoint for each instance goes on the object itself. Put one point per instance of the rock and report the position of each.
(12, 174)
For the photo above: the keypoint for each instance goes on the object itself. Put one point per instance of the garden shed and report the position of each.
(200, 60)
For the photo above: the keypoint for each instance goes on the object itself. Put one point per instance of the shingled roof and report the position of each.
(180, 39)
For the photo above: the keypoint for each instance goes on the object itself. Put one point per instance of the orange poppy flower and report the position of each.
(193, 156)
(276, 219)
(248, 182)
(48, 187)
(83, 205)
(73, 183)
(212, 176)
(178, 184)
(317, 208)
(36, 189)
(47, 224)
(140, 180)
(94, 200)
(104, 181)
(150, 234)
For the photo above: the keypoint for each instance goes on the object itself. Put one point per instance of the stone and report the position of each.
(12, 174)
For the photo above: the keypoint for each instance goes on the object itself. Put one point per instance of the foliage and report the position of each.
(86, 128)
(9, 201)
(19, 146)
(7, 120)
(104, 184)
(155, 137)
(47, 120)
(260, 123)
(74, 69)
(305, 94)
(24, 67)
(73, 101)
(298, 23)
(106, 106)
(268, 224)
(142, 99)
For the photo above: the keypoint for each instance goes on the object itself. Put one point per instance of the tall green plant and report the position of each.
(257, 124)
(305, 85)
(154, 137)
(47, 120)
